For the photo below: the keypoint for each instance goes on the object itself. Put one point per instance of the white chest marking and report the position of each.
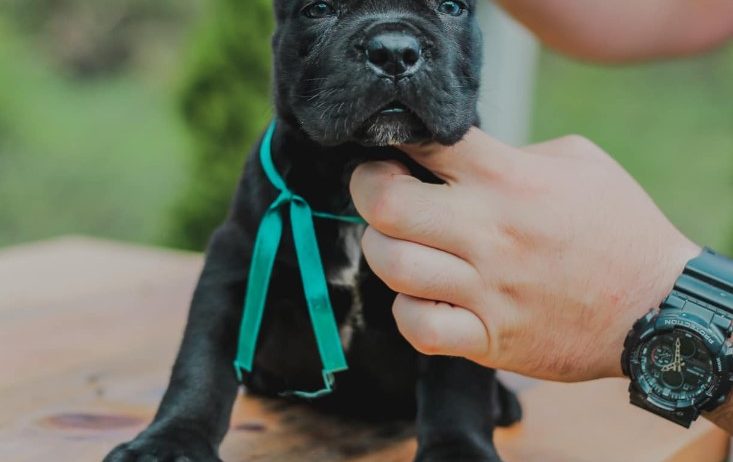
(347, 277)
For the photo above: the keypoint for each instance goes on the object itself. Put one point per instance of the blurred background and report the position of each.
(130, 119)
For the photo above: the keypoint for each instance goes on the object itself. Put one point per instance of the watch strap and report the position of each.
(708, 278)
(683, 417)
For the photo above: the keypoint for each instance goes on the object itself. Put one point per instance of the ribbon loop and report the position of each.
(269, 236)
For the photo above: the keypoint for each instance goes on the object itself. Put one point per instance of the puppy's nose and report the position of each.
(393, 53)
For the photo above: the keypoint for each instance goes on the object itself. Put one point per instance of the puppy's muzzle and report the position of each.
(393, 50)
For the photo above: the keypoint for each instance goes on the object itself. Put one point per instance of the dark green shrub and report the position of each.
(225, 104)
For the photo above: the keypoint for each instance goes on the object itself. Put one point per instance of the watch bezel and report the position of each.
(663, 323)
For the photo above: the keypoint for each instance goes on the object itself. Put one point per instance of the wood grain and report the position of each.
(89, 329)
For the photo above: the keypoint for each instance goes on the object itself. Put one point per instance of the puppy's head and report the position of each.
(378, 72)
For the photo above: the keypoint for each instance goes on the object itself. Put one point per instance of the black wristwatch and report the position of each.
(678, 357)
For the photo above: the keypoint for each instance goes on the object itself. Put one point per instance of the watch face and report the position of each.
(676, 366)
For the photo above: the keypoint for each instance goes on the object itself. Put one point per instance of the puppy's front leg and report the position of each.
(194, 414)
(455, 417)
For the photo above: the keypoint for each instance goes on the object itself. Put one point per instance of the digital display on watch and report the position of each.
(676, 366)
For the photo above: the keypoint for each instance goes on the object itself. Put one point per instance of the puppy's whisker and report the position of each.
(324, 93)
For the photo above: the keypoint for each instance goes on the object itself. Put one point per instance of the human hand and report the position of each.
(535, 260)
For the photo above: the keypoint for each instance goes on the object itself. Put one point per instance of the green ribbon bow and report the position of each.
(268, 240)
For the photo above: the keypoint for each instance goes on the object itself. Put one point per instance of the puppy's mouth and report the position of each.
(395, 107)
(395, 123)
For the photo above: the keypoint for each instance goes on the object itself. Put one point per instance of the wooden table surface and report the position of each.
(89, 329)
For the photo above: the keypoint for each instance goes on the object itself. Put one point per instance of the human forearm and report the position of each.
(628, 30)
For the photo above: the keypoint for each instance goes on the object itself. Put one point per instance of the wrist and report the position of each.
(664, 270)
(673, 262)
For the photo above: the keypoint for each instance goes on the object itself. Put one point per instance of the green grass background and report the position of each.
(109, 158)
(105, 158)
(670, 124)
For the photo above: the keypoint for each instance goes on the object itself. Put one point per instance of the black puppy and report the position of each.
(351, 78)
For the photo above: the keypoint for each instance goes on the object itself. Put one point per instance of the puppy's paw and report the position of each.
(173, 446)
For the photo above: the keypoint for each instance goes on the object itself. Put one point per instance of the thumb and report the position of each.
(477, 150)
(440, 329)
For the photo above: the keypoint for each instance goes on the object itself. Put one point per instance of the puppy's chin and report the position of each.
(392, 129)
(385, 128)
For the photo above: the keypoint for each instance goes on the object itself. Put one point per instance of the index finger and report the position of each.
(476, 151)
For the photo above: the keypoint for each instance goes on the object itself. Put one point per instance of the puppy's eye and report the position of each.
(452, 8)
(319, 10)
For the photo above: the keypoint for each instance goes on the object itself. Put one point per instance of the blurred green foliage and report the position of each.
(98, 154)
(131, 119)
(88, 39)
(91, 135)
(226, 104)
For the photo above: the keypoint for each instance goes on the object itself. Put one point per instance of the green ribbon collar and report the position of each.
(312, 274)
